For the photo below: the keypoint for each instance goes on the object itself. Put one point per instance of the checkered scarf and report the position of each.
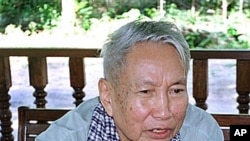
(102, 127)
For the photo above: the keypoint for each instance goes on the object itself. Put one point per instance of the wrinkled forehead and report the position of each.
(152, 50)
(146, 54)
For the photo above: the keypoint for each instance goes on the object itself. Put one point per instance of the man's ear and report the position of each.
(105, 90)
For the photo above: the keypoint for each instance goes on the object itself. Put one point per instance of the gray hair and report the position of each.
(121, 42)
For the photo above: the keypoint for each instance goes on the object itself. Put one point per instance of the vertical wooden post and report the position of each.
(5, 113)
(77, 78)
(243, 85)
(38, 79)
(200, 82)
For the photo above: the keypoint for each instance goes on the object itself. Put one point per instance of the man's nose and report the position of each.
(161, 107)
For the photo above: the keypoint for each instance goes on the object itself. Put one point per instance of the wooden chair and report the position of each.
(225, 120)
(33, 121)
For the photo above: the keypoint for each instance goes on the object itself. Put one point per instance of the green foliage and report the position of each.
(47, 18)
(172, 12)
(6, 5)
(215, 40)
(42, 14)
(198, 38)
(172, 9)
(247, 13)
(39, 15)
(114, 8)
(231, 31)
(6, 8)
(84, 14)
(232, 39)
(151, 12)
(205, 5)
(88, 9)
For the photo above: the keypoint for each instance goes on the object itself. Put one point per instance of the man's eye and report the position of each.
(149, 91)
(176, 91)
(145, 91)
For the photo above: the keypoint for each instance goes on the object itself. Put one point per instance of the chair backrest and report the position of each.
(225, 120)
(34, 121)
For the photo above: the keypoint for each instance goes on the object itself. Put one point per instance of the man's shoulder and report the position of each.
(73, 124)
(86, 108)
(194, 112)
(200, 124)
(82, 114)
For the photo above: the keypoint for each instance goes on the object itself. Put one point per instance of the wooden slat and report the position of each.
(5, 112)
(226, 134)
(200, 82)
(30, 138)
(77, 78)
(49, 52)
(33, 121)
(93, 52)
(230, 119)
(42, 114)
(220, 54)
(38, 79)
(34, 128)
(243, 85)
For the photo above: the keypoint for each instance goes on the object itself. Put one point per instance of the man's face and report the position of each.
(151, 98)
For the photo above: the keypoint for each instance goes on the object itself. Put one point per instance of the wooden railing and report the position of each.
(200, 75)
(38, 78)
(37, 64)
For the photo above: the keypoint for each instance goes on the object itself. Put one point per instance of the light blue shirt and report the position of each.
(198, 125)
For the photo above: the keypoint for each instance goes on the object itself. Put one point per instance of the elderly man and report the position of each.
(143, 95)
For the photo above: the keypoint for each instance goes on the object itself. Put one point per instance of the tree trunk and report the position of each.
(161, 7)
(241, 6)
(193, 8)
(224, 9)
(68, 15)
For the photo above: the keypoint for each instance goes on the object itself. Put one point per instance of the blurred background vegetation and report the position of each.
(212, 24)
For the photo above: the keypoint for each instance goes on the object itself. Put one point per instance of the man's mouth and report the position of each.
(159, 133)
(159, 130)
